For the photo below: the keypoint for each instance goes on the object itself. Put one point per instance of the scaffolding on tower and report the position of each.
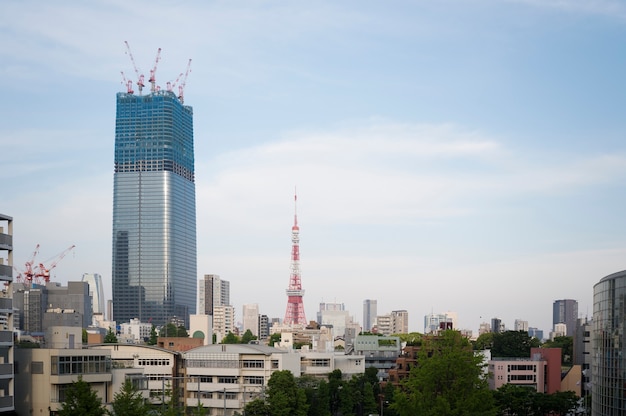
(295, 308)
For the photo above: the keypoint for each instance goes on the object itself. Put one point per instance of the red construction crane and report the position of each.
(128, 83)
(44, 272)
(140, 77)
(181, 87)
(26, 276)
(153, 72)
(171, 85)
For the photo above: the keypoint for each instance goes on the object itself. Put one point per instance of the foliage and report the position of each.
(27, 344)
(231, 339)
(484, 341)
(274, 338)
(110, 337)
(257, 407)
(567, 348)
(521, 400)
(284, 397)
(81, 400)
(129, 401)
(448, 380)
(412, 338)
(181, 332)
(169, 330)
(513, 344)
(153, 336)
(247, 337)
(85, 336)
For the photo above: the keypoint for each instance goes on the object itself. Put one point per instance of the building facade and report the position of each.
(250, 318)
(212, 291)
(565, 311)
(7, 349)
(370, 311)
(608, 344)
(154, 209)
(96, 290)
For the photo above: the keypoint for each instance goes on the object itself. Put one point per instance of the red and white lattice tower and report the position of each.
(295, 307)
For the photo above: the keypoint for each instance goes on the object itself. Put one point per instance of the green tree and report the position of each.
(128, 401)
(484, 341)
(257, 407)
(566, 344)
(447, 380)
(274, 338)
(512, 399)
(85, 336)
(110, 337)
(81, 400)
(284, 397)
(513, 344)
(153, 336)
(168, 330)
(181, 332)
(231, 339)
(247, 337)
(412, 338)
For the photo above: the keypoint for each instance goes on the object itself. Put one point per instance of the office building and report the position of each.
(435, 322)
(264, 327)
(212, 291)
(250, 318)
(154, 209)
(370, 310)
(400, 322)
(7, 349)
(96, 290)
(565, 311)
(223, 321)
(535, 333)
(497, 325)
(608, 345)
(521, 325)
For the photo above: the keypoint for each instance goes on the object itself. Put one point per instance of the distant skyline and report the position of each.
(463, 156)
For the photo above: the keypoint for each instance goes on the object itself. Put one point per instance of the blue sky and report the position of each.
(461, 156)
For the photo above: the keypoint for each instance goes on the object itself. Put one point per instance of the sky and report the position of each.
(457, 155)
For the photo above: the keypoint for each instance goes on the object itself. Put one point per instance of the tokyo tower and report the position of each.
(295, 307)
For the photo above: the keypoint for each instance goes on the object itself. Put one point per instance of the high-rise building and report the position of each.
(264, 327)
(154, 209)
(250, 318)
(497, 326)
(212, 291)
(565, 311)
(521, 325)
(400, 322)
(433, 323)
(96, 290)
(370, 310)
(7, 379)
(608, 345)
(223, 321)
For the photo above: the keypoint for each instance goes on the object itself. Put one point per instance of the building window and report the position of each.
(253, 364)
(256, 380)
(228, 379)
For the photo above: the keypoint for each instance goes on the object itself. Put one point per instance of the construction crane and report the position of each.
(172, 85)
(181, 87)
(128, 83)
(26, 276)
(152, 79)
(140, 77)
(44, 272)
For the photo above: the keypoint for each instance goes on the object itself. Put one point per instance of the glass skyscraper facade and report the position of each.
(154, 210)
(608, 345)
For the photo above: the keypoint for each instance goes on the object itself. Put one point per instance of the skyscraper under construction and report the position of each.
(154, 207)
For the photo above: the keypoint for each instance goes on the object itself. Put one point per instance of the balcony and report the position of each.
(6, 337)
(6, 404)
(6, 241)
(6, 371)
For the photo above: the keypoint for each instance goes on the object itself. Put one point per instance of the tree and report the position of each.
(274, 338)
(85, 336)
(257, 407)
(110, 337)
(284, 397)
(81, 400)
(447, 380)
(484, 341)
(169, 330)
(512, 399)
(230, 339)
(153, 336)
(513, 344)
(128, 401)
(247, 337)
(181, 332)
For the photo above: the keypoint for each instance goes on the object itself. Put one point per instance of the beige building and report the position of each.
(7, 384)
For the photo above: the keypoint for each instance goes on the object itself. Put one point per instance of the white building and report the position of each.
(223, 321)
(136, 330)
(96, 291)
(250, 318)
(434, 322)
(521, 325)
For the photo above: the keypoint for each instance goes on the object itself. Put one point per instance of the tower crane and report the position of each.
(172, 85)
(128, 83)
(27, 275)
(181, 87)
(152, 79)
(140, 77)
(44, 272)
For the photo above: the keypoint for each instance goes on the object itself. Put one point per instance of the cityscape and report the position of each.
(339, 199)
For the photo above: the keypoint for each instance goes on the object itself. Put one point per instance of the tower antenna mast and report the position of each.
(295, 308)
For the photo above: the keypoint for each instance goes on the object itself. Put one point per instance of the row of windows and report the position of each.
(154, 361)
(522, 367)
(216, 363)
(256, 380)
(93, 364)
